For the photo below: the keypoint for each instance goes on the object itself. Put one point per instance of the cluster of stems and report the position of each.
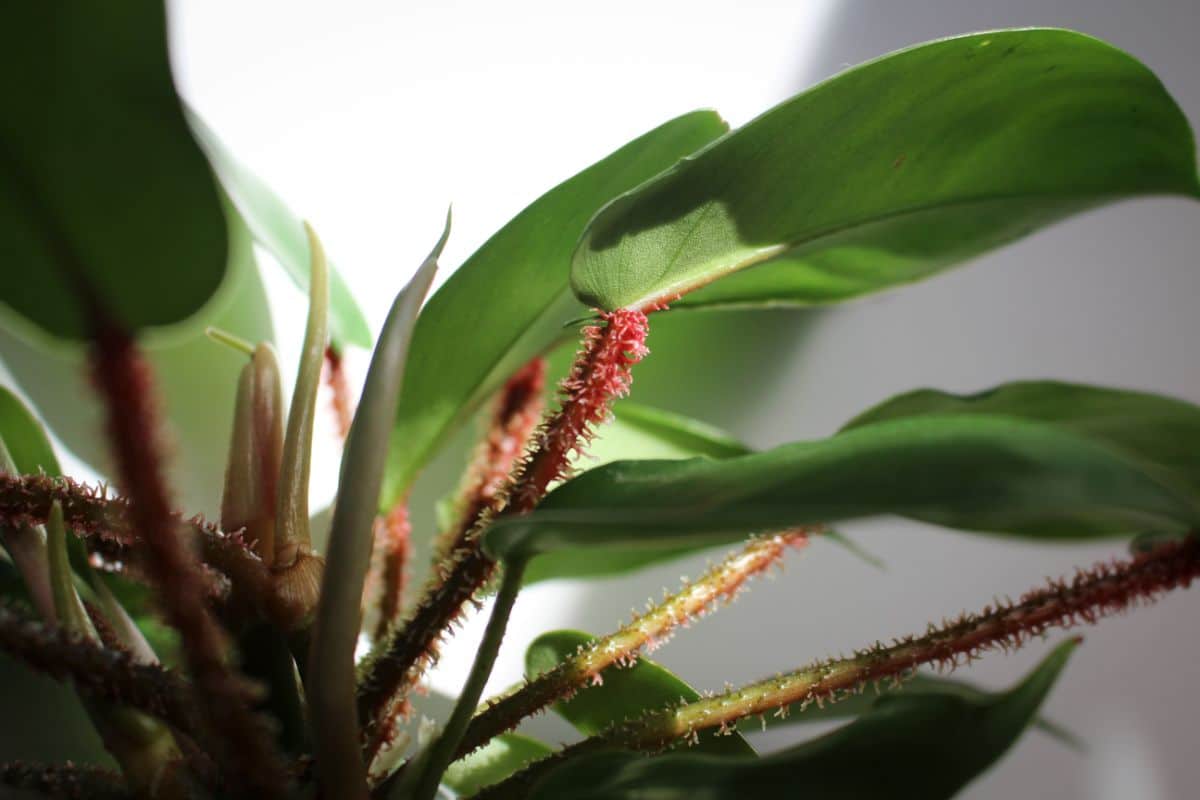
(205, 577)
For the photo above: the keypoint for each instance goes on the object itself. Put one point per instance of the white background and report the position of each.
(370, 117)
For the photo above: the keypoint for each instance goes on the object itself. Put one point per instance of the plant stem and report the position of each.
(124, 381)
(649, 630)
(600, 374)
(1104, 590)
(429, 769)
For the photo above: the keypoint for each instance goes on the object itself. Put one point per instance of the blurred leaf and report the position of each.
(510, 301)
(102, 183)
(25, 437)
(196, 381)
(276, 228)
(982, 472)
(918, 747)
(493, 762)
(893, 171)
(624, 693)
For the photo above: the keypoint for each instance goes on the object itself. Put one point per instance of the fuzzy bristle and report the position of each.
(600, 374)
(105, 521)
(720, 584)
(123, 380)
(339, 391)
(64, 781)
(1091, 594)
(394, 540)
(98, 671)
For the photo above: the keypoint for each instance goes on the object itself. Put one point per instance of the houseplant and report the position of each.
(883, 175)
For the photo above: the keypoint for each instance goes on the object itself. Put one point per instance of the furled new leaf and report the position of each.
(104, 195)
(330, 680)
(622, 694)
(893, 171)
(510, 300)
(923, 747)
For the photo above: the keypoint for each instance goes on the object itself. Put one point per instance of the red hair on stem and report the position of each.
(600, 374)
(123, 379)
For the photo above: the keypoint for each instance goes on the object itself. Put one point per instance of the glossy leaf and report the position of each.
(640, 432)
(101, 183)
(1158, 432)
(492, 763)
(980, 472)
(893, 171)
(624, 693)
(510, 300)
(923, 747)
(280, 231)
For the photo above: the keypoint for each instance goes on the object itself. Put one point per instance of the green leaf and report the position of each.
(25, 437)
(856, 705)
(980, 472)
(330, 681)
(1158, 432)
(102, 188)
(625, 693)
(893, 171)
(276, 228)
(636, 431)
(195, 380)
(510, 300)
(492, 763)
(923, 747)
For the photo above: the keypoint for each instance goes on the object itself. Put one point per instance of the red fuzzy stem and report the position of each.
(335, 379)
(601, 373)
(124, 380)
(515, 413)
(395, 540)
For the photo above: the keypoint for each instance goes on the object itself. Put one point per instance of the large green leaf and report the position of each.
(923, 747)
(624, 693)
(510, 300)
(1159, 432)
(892, 171)
(195, 380)
(981, 472)
(101, 183)
(492, 763)
(276, 228)
(640, 432)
